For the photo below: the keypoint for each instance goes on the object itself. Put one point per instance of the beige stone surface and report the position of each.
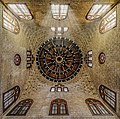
(85, 84)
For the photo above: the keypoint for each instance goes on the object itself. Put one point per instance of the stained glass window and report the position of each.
(54, 109)
(108, 96)
(10, 96)
(58, 107)
(10, 22)
(21, 108)
(96, 107)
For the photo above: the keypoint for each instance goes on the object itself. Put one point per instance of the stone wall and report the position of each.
(11, 44)
(108, 73)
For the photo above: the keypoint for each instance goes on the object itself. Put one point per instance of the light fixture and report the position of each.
(21, 10)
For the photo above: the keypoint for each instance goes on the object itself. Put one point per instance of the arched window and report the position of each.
(21, 108)
(59, 12)
(108, 96)
(21, 10)
(10, 96)
(98, 10)
(10, 22)
(30, 59)
(96, 107)
(59, 88)
(58, 107)
(59, 30)
(88, 59)
(109, 21)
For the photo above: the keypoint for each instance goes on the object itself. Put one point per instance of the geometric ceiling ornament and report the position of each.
(17, 59)
(102, 58)
(59, 59)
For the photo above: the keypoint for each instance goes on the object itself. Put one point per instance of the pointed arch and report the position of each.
(10, 96)
(58, 107)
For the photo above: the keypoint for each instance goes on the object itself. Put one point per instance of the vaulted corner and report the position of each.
(60, 59)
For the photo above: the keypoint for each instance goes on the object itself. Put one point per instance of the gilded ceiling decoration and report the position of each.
(59, 59)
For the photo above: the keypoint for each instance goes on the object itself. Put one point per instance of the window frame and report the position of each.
(59, 32)
(59, 12)
(13, 17)
(87, 60)
(25, 103)
(94, 102)
(23, 13)
(103, 95)
(58, 102)
(104, 18)
(29, 59)
(61, 87)
(15, 95)
(103, 14)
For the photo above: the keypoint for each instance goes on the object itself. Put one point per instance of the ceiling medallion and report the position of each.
(102, 58)
(17, 59)
(59, 59)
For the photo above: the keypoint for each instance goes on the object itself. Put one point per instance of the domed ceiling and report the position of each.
(80, 31)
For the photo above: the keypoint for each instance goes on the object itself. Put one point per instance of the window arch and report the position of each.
(59, 88)
(59, 11)
(21, 108)
(108, 96)
(10, 96)
(10, 22)
(59, 30)
(96, 107)
(58, 107)
(98, 10)
(21, 10)
(30, 59)
(88, 59)
(109, 21)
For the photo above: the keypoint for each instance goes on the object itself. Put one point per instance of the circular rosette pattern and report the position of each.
(59, 59)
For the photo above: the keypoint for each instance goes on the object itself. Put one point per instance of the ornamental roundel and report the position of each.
(17, 59)
(59, 59)
(102, 58)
